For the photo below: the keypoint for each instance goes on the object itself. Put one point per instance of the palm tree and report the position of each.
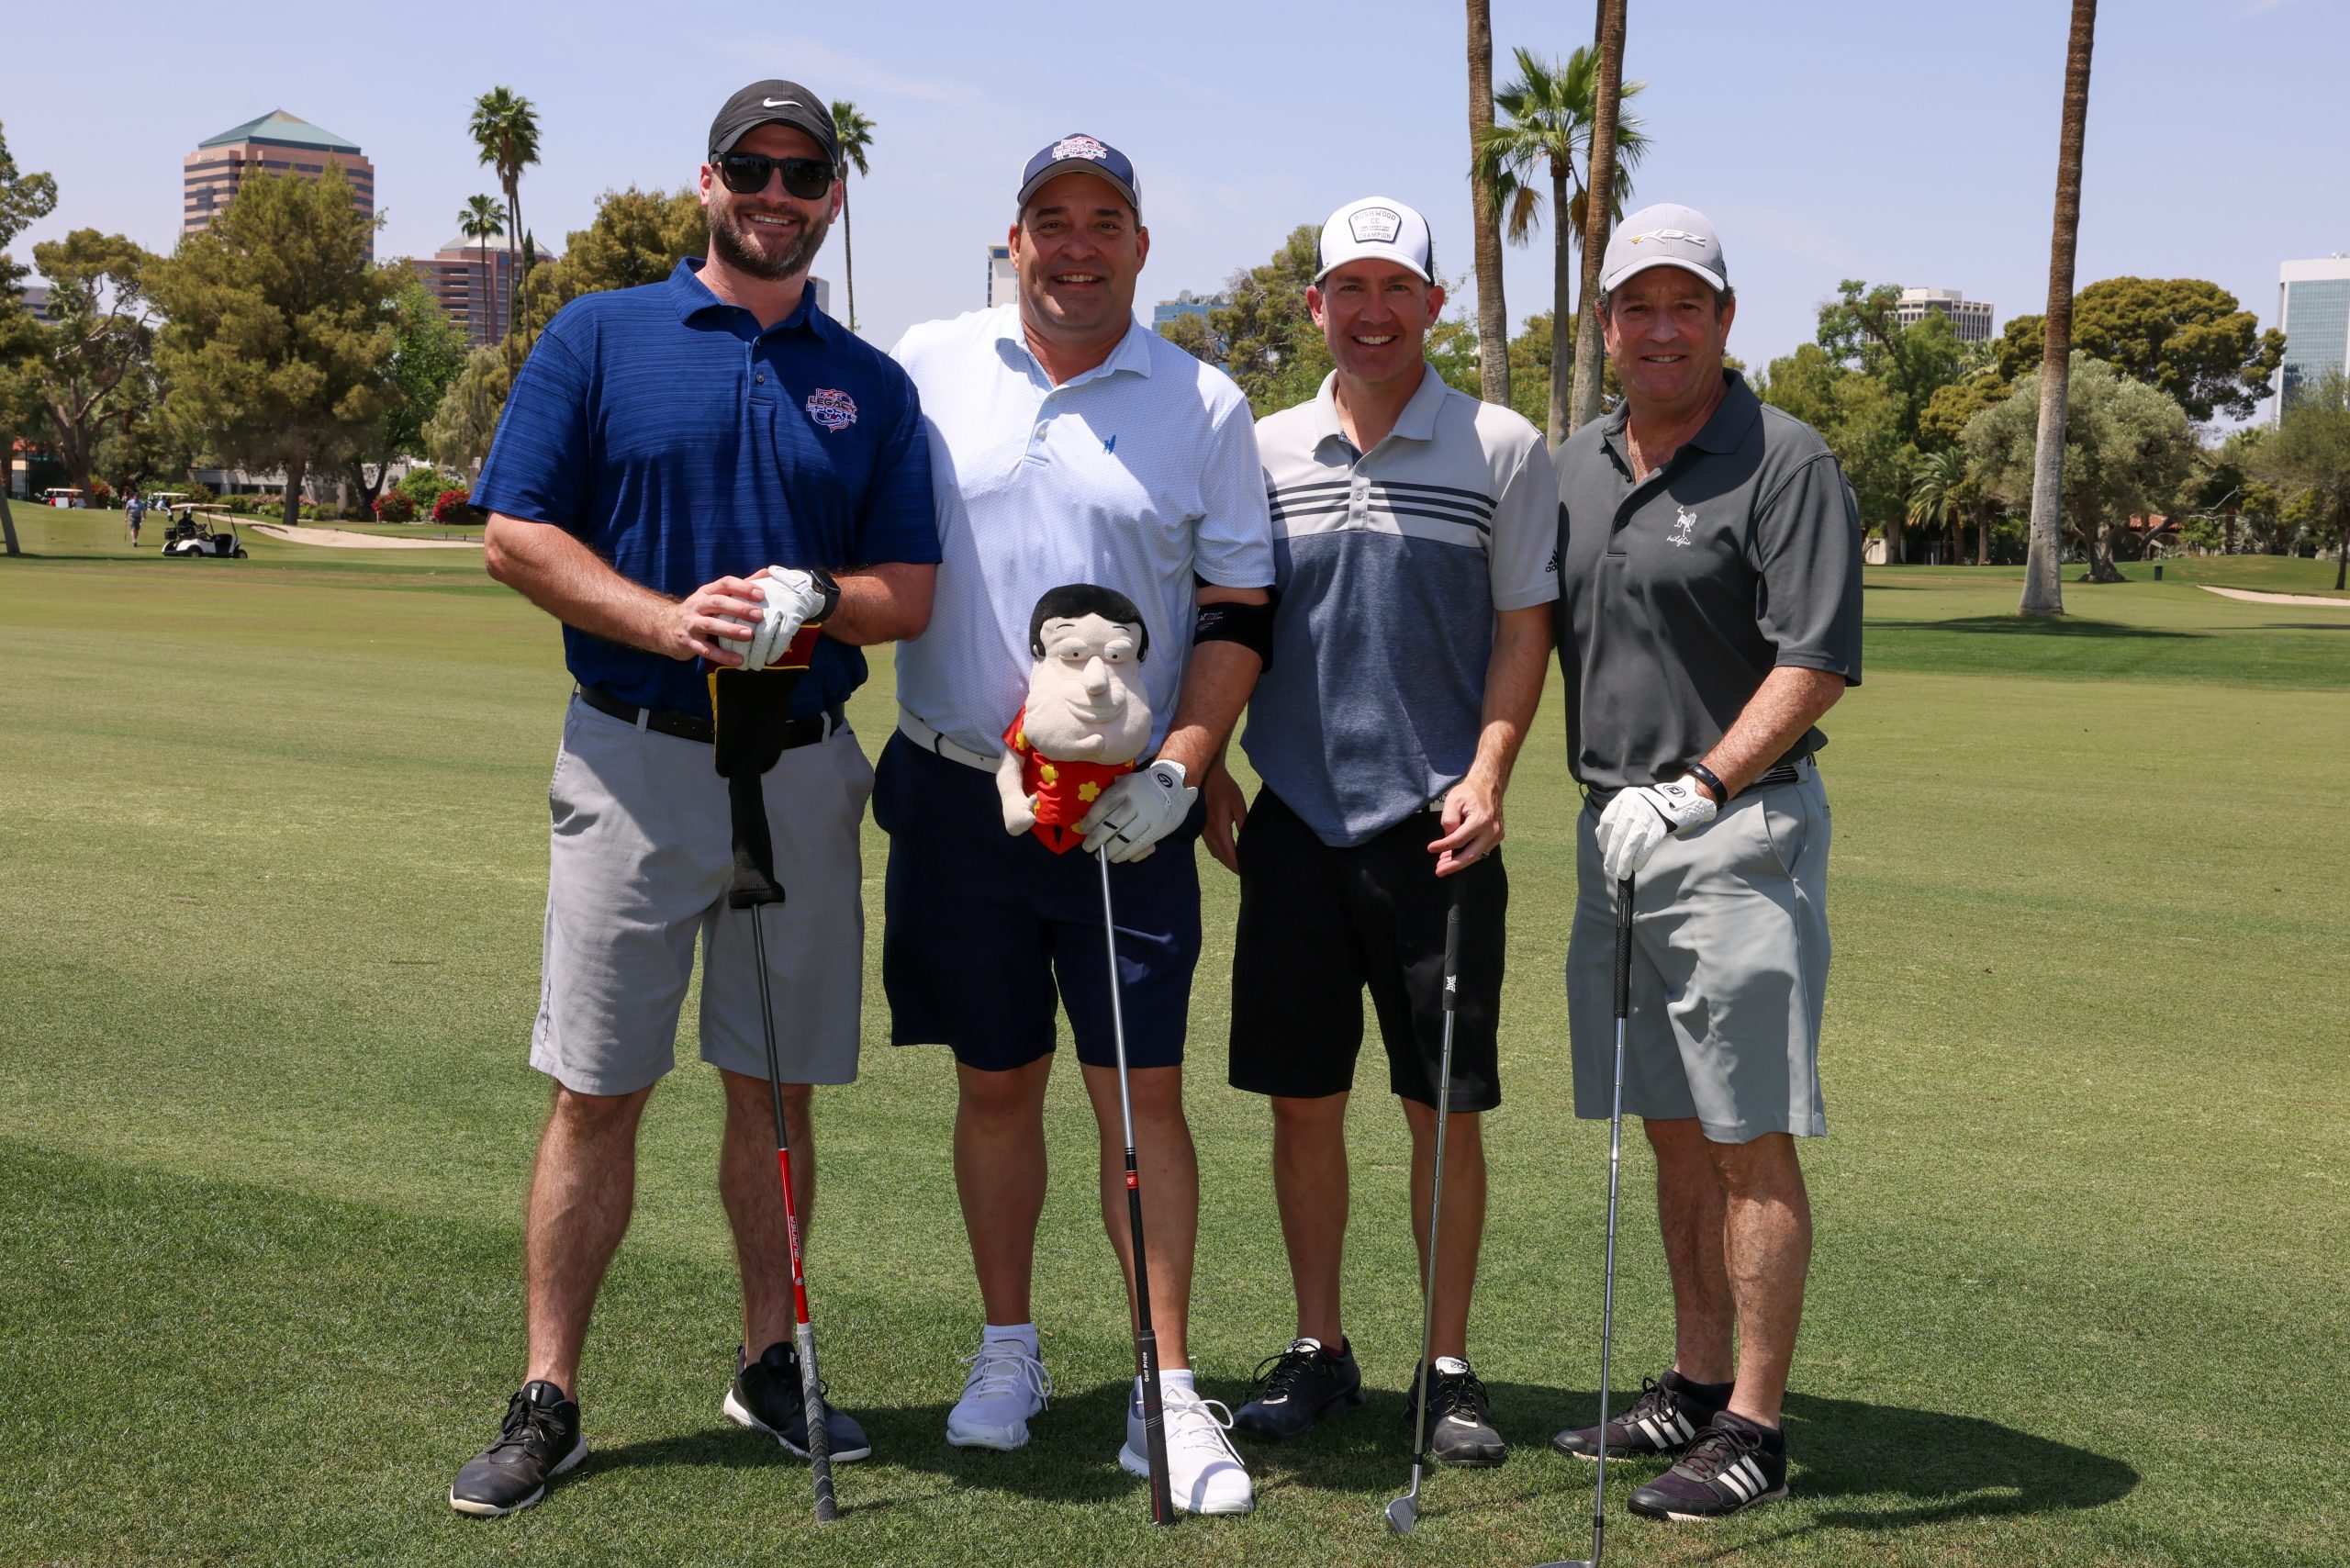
(854, 134)
(1940, 491)
(2043, 590)
(506, 129)
(1492, 314)
(480, 222)
(1606, 114)
(1551, 115)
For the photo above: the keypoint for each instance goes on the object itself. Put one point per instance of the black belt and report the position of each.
(693, 727)
(1787, 772)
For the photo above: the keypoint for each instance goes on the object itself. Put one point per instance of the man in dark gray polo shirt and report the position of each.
(1709, 614)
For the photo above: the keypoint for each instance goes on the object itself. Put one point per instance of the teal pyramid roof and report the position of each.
(281, 130)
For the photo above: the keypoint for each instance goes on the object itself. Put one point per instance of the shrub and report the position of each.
(454, 506)
(395, 506)
(423, 487)
(101, 493)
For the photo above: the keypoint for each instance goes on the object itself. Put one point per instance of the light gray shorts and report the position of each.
(641, 860)
(1729, 971)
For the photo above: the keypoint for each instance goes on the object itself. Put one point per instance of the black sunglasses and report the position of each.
(745, 174)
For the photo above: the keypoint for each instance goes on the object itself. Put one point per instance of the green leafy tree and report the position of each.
(2128, 449)
(505, 130)
(1942, 493)
(428, 354)
(2183, 335)
(1553, 110)
(148, 448)
(1529, 365)
(2308, 457)
(1944, 419)
(1191, 333)
(88, 365)
(24, 200)
(1271, 346)
(480, 222)
(280, 334)
(855, 133)
(636, 238)
(460, 431)
(1860, 419)
(1451, 350)
(1859, 328)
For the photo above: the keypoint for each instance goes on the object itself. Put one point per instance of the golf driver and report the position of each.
(1615, 1165)
(1154, 1415)
(1404, 1511)
(748, 708)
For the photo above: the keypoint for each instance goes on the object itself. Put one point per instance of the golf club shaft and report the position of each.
(1615, 1172)
(820, 1437)
(1435, 1180)
(1154, 1415)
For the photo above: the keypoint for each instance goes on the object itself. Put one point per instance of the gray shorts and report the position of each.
(640, 859)
(1729, 971)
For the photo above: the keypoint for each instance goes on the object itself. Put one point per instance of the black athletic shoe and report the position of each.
(1297, 1388)
(1734, 1464)
(539, 1441)
(1461, 1423)
(766, 1397)
(1665, 1418)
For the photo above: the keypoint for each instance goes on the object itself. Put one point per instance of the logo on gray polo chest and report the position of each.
(1684, 526)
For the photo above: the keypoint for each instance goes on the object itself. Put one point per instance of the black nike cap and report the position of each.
(775, 102)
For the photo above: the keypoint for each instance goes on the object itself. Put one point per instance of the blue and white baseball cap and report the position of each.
(1079, 153)
(1379, 227)
(1663, 236)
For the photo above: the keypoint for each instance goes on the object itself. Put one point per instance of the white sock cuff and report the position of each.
(1024, 1332)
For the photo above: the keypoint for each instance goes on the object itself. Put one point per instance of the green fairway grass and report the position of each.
(273, 860)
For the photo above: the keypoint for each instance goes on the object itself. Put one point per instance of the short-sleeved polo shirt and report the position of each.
(660, 428)
(1391, 565)
(1680, 593)
(1139, 475)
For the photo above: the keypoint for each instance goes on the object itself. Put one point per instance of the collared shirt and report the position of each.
(1680, 593)
(660, 428)
(1391, 565)
(1139, 475)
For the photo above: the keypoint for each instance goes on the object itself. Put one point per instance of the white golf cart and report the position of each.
(203, 531)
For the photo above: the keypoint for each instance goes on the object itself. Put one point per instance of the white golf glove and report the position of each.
(791, 599)
(1637, 820)
(1139, 810)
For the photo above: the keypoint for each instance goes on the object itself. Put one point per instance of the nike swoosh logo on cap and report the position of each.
(781, 104)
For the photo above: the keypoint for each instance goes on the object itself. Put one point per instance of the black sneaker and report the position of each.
(539, 1441)
(1297, 1388)
(1734, 1464)
(1665, 1418)
(1461, 1425)
(766, 1397)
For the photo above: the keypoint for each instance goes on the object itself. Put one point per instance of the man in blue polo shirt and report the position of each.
(685, 474)
(1072, 445)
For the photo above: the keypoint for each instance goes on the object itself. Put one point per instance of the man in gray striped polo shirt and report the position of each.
(1412, 532)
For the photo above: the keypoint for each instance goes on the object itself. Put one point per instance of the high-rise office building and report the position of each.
(1970, 318)
(2314, 308)
(276, 142)
(473, 285)
(1004, 284)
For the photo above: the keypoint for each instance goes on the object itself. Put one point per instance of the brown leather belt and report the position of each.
(693, 727)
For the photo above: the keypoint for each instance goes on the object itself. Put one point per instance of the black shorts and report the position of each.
(1318, 924)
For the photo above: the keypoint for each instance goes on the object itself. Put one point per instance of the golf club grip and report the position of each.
(820, 1435)
(1452, 957)
(1154, 1428)
(1623, 947)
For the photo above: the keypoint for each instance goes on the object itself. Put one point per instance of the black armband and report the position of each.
(1706, 776)
(1250, 625)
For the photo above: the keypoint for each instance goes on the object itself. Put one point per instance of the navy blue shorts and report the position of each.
(985, 935)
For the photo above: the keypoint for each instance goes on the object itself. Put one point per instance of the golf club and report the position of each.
(1615, 1165)
(748, 711)
(1404, 1511)
(1154, 1416)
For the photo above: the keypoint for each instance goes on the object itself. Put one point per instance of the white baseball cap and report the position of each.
(1663, 236)
(1375, 227)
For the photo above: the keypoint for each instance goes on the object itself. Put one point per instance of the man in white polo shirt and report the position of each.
(1412, 534)
(1070, 445)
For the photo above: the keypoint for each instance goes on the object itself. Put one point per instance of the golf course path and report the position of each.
(2258, 597)
(344, 539)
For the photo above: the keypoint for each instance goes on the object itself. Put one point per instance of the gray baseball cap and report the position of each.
(1663, 236)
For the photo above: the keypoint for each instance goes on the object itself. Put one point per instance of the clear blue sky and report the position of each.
(1905, 143)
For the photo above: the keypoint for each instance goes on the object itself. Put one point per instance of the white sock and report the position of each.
(1170, 1379)
(1024, 1332)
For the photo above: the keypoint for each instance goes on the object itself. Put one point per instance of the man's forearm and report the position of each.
(1215, 687)
(888, 603)
(1789, 702)
(571, 583)
(1514, 676)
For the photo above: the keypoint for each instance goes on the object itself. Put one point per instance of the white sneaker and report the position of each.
(1204, 1474)
(1008, 1384)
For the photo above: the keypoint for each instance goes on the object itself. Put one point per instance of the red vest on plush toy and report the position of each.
(1063, 791)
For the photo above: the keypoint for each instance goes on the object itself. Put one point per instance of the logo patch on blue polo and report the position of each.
(833, 410)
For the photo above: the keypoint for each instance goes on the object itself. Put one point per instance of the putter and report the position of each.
(748, 712)
(1614, 1164)
(1154, 1415)
(1404, 1511)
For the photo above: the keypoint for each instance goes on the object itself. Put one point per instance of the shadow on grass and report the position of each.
(2023, 626)
(2305, 626)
